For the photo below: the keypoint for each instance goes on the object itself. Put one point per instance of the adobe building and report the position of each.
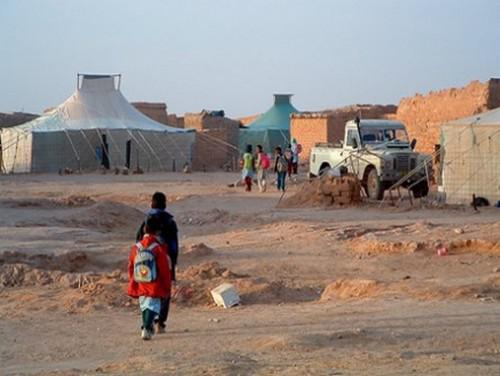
(423, 115)
(11, 119)
(216, 143)
(309, 128)
(153, 110)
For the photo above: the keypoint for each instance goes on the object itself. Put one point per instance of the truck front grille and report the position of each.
(403, 163)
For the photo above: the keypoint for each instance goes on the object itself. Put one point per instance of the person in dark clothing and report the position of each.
(168, 235)
(168, 231)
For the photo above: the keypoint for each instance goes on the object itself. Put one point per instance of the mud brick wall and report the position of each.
(216, 143)
(248, 119)
(15, 118)
(156, 111)
(310, 128)
(175, 121)
(212, 152)
(423, 115)
(204, 120)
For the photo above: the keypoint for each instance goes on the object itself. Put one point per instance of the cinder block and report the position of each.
(225, 295)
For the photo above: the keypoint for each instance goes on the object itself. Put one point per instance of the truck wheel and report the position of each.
(374, 187)
(421, 189)
(323, 169)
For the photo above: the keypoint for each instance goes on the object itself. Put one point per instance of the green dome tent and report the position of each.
(272, 128)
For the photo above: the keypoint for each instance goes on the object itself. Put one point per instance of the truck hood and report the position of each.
(389, 147)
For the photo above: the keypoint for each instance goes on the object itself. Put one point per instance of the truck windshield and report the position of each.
(379, 135)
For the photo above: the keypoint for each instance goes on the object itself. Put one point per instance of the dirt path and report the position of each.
(325, 292)
(348, 338)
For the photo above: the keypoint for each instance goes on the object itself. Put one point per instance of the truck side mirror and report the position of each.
(354, 143)
(413, 144)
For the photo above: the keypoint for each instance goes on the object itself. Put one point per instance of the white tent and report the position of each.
(95, 127)
(471, 158)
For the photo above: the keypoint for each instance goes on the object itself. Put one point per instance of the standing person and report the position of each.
(168, 227)
(280, 168)
(248, 168)
(168, 234)
(262, 164)
(295, 156)
(288, 157)
(149, 274)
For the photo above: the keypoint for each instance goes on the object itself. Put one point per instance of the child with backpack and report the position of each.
(262, 165)
(168, 235)
(280, 168)
(150, 279)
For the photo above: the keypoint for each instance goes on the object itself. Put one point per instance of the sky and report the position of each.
(233, 55)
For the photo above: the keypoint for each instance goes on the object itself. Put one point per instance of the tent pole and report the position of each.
(74, 149)
(142, 147)
(113, 143)
(152, 150)
(90, 146)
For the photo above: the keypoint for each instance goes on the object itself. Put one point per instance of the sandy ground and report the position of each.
(351, 291)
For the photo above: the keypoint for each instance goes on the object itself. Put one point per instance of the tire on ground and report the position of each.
(374, 187)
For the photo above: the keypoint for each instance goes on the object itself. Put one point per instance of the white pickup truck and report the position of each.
(379, 153)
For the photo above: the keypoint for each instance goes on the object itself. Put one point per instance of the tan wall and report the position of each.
(212, 150)
(175, 121)
(15, 118)
(155, 111)
(216, 145)
(308, 132)
(204, 120)
(248, 119)
(310, 128)
(424, 114)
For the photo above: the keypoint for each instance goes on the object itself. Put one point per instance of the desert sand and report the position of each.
(338, 291)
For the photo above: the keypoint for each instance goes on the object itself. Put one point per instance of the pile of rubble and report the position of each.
(327, 191)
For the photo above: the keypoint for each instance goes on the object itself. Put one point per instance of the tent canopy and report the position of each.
(470, 160)
(277, 117)
(272, 128)
(95, 127)
(97, 104)
(486, 118)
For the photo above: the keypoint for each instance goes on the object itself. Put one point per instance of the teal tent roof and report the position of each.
(277, 117)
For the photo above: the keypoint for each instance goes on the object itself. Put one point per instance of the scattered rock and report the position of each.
(197, 250)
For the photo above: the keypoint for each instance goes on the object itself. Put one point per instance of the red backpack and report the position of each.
(265, 162)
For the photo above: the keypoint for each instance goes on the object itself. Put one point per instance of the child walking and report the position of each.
(149, 273)
(167, 234)
(248, 168)
(262, 164)
(280, 168)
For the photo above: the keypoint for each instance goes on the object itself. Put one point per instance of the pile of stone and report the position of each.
(327, 191)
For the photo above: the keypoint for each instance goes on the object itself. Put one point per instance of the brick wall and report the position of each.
(216, 143)
(211, 149)
(15, 118)
(248, 119)
(175, 121)
(310, 128)
(424, 114)
(156, 111)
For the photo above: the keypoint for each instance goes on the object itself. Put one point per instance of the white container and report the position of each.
(225, 295)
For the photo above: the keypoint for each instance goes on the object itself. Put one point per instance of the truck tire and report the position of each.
(374, 187)
(323, 169)
(421, 189)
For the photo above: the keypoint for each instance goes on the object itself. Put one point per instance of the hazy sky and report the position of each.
(233, 55)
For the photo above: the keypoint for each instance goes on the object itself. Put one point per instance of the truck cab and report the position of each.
(378, 152)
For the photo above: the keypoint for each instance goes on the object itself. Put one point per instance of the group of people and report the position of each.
(151, 266)
(285, 163)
